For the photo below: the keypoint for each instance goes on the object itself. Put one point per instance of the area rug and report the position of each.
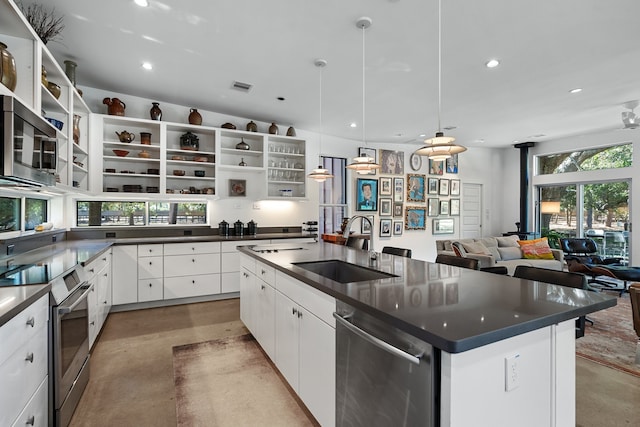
(230, 382)
(611, 341)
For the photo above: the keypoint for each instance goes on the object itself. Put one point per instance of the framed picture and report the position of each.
(443, 226)
(365, 225)
(397, 210)
(454, 207)
(237, 187)
(415, 161)
(433, 206)
(386, 207)
(385, 228)
(452, 164)
(385, 186)
(366, 194)
(392, 162)
(397, 228)
(414, 218)
(415, 187)
(436, 167)
(444, 187)
(454, 188)
(369, 152)
(444, 207)
(433, 186)
(398, 189)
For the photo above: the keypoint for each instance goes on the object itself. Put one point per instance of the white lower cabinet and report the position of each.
(125, 274)
(36, 412)
(99, 300)
(150, 290)
(191, 286)
(191, 269)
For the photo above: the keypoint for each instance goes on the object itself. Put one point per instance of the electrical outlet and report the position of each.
(256, 206)
(236, 206)
(511, 371)
(10, 249)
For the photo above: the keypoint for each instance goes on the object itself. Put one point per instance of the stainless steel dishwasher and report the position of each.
(384, 376)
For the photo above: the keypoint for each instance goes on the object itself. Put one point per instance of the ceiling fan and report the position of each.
(629, 118)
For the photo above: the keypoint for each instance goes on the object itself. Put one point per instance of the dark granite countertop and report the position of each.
(209, 238)
(452, 308)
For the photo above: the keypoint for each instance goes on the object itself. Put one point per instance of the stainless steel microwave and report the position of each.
(29, 147)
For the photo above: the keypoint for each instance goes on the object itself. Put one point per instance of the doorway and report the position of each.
(471, 212)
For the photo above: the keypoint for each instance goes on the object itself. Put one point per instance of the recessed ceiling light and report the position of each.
(576, 90)
(422, 135)
(147, 66)
(492, 63)
(480, 141)
(143, 3)
(280, 98)
(353, 125)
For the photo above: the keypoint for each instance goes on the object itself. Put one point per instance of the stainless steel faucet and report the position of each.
(372, 254)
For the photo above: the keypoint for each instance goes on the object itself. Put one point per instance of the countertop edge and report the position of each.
(19, 306)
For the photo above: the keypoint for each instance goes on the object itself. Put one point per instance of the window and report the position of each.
(333, 195)
(35, 212)
(125, 213)
(10, 214)
(619, 156)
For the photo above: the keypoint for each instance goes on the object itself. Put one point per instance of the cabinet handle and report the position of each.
(150, 263)
(245, 274)
(91, 270)
(262, 287)
(294, 311)
(150, 250)
(105, 302)
(29, 357)
(193, 249)
(193, 281)
(31, 322)
(31, 420)
(92, 323)
(104, 259)
(150, 285)
(299, 314)
(105, 274)
(264, 272)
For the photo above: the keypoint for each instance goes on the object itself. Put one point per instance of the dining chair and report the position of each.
(397, 251)
(457, 261)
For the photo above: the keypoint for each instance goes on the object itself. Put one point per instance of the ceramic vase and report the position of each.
(145, 138)
(273, 129)
(155, 112)
(76, 128)
(194, 117)
(291, 131)
(43, 77)
(116, 107)
(252, 127)
(8, 73)
(70, 71)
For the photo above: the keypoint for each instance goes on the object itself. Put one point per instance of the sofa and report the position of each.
(499, 251)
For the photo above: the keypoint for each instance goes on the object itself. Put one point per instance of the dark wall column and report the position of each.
(524, 184)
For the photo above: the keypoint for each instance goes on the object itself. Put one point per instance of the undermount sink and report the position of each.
(343, 272)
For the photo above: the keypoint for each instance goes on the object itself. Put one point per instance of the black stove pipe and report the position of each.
(524, 184)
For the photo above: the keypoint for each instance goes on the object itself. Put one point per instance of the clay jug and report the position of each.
(194, 117)
(252, 127)
(291, 131)
(273, 129)
(155, 112)
(76, 128)
(116, 107)
(8, 73)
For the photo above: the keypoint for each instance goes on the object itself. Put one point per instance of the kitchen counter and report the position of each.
(208, 238)
(14, 299)
(454, 309)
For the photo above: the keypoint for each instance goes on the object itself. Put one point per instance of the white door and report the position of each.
(471, 211)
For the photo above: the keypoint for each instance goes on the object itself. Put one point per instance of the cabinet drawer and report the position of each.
(186, 265)
(150, 267)
(150, 250)
(248, 263)
(191, 286)
(98, 264)
(150, 290)
(266, 273)
(229, 282)
(232, 246)
(230, 262)
(192, 248)
(19, 329)
(318, 303)
(20, 377)
(36, 412)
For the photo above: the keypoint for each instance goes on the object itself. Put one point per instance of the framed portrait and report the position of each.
(398, 189)
(444, 207)
(415, 161)
(433, 186)
(385, 228)
(369, 152)
(452, 164)
(397, 210)
(454, 187)
(444, 187)
(436, 167)
(433, 207)
(386, 207)
(454, 207)
(443, 226)
(397, 228)
(391, 162)
(415, 187)
(414, 218)
(366, 194)
(365, 225)
(385, 186)
(237, 188)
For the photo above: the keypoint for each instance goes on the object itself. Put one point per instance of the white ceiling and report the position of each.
(200, 47)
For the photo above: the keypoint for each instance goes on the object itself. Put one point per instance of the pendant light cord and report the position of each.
(364, 28)
(320, 144)
(439, 62)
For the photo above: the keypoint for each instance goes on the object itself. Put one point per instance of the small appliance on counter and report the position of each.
(252, 228)
(223, 228)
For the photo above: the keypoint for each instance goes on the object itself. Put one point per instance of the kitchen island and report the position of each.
(476, 321)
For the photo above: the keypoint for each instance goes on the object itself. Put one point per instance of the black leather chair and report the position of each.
(457, 261)
(397, 251)
(555, 277)
(357, 242)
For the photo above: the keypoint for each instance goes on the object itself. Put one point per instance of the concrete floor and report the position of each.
(132, 369)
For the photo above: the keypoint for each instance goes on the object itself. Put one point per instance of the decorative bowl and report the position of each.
(57, 123)
(228, 126)
(201, 159)
(54, 89)
(199, 173)
(177, 157)
(121, 153)
(144, 154)
(110, 170)
(178, 172)
(153, 171)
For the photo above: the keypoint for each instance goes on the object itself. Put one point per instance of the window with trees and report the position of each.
(132, 213)
(333, 198)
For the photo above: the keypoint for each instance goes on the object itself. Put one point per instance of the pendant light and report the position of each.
(440, 147)
(363, 164)
(320, 174)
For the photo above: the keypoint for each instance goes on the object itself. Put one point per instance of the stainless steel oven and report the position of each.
(69, 344)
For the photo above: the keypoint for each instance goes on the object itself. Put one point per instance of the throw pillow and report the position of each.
(507, 254)
(536, 249)
(494, 253)
(507, 242)
(475, 248)
(447, 245)
(458, 249)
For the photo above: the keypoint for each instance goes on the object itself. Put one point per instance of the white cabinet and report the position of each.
(150, 272)
(100, 297)
(23, 366)
(125, 274)
(229, 266)
(191, 269)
